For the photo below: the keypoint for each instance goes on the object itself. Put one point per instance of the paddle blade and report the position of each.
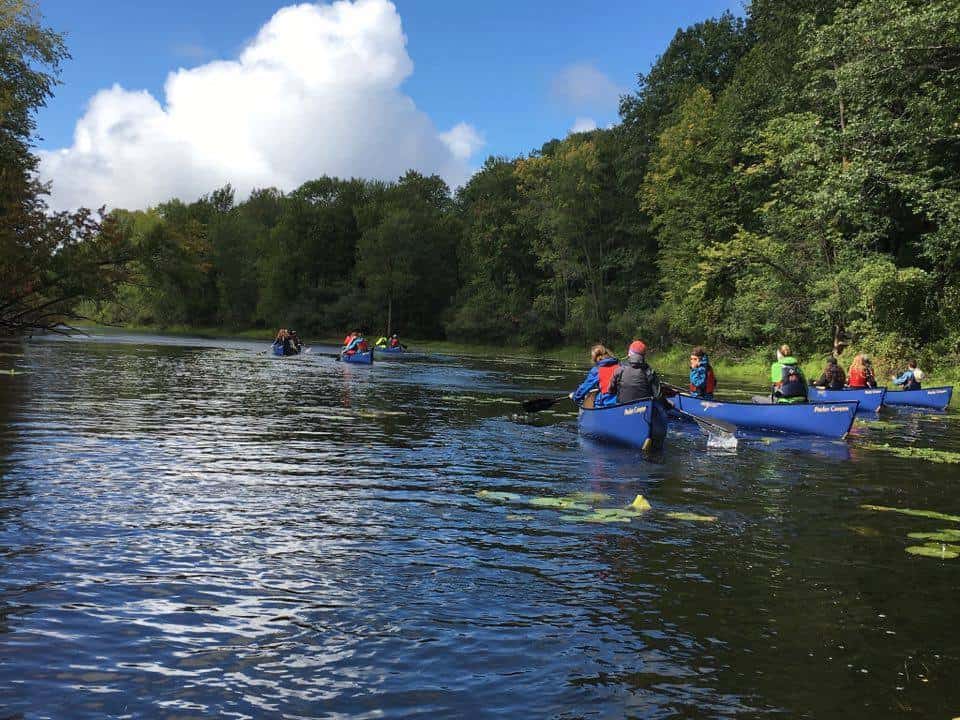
(538, 404)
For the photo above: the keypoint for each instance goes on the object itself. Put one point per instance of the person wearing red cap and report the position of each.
(635, 380)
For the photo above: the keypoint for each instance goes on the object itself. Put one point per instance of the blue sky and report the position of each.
(498, 65)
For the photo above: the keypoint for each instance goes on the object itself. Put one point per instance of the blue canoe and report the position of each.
(627, 424)
(832, 419)
(870, 399)
(937, 398)
(390, 350)
(278, 351)
(360, 358)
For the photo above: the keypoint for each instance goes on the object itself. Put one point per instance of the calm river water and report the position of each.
(188, 529)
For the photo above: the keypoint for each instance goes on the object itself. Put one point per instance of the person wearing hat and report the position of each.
(832, 377)
(598, 379)
(635, 380)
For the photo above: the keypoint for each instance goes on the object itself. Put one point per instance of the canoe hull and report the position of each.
(870, 399)
(390, 351)
(360, 358)
(832, 419)
(935, 398)
(631, 424)
(278, 351)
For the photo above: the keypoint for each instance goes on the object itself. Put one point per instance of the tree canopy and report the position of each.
(791, 175)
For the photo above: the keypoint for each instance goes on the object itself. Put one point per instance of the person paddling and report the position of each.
(861, 373)
(636, 380)
(599, 377)
(911, 377)
(702, 379)
(354, 343)
(789, 385)
(832, 377)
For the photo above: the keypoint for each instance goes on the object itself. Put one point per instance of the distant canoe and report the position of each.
(627, 424)
(360, 358)
(278, 351)
(935, 398)
(390, 350)
(827, 419)
(870, 399)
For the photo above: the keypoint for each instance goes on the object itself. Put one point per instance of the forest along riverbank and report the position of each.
(191, 524)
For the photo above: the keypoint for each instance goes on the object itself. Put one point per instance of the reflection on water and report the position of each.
(190, 528)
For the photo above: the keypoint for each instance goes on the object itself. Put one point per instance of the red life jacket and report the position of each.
(363, 346)
(394, 342)
(605, 374)
(711, 382)
(348, 339)
(856, 378)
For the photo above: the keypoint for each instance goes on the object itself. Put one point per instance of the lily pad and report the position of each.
(640, 504)
(944, 546)
(915, 513)
(929, 454)
(603, 515)
(693, 517)
(944, 535)
(559, 503)
(588, 497)
(499, 496)
(941, 553)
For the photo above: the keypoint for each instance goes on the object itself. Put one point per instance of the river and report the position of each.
(192, 528)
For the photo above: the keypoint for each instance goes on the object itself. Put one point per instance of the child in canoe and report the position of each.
(911, 377)
(599, 377)
(861, 373)
(832, 377)
(702, 380)
(786, 377)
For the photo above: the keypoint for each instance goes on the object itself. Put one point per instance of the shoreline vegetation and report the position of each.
(788, 176)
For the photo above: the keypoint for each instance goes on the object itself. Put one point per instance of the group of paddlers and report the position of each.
(614, 383)
(288, 341)
(356, 342)
(788, 384)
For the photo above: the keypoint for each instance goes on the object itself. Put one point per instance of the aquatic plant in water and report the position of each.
(929, 454)
(915, 513)
(693, 517)
(943, 535)
(940, 552)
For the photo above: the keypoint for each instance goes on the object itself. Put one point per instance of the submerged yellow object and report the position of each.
(640, 504)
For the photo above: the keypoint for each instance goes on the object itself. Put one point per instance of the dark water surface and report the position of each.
(189, 529)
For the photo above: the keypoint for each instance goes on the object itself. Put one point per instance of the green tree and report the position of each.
(49, 262)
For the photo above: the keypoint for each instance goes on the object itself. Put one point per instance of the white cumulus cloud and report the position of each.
(584, 88)
(583, 124)
(316, 92)
(463, 140)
